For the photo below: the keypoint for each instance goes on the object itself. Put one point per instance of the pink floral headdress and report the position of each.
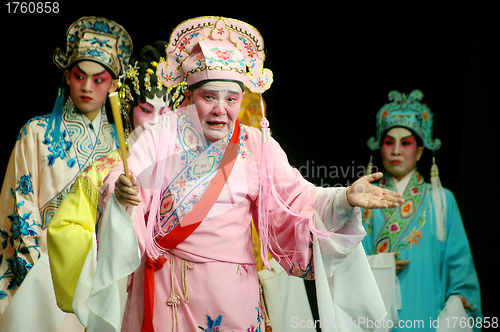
(215, 48)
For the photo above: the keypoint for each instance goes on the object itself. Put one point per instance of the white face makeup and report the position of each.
(218, 104)
(400, 152)
(158, 105)
(144, 112)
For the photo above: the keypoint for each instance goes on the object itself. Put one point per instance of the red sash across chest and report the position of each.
(189, 224)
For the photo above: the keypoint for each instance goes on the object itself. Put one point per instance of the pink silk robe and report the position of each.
(210, 280)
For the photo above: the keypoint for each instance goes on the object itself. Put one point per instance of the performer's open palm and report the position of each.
(364, 194)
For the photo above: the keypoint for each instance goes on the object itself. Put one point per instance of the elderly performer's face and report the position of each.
(400, 152)
(218, 104)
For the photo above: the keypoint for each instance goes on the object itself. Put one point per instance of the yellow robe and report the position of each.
(70, 231)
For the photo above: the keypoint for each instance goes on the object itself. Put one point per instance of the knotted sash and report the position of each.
(188, 224)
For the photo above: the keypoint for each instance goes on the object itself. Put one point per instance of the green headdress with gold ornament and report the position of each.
(408, 112)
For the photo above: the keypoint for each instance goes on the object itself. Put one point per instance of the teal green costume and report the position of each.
(432, 237)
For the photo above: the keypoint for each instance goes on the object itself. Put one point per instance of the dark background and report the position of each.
(333, 69)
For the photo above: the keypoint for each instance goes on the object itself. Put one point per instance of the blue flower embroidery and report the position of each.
(213, 325)
(6, 239)
(95, 53)
(308, 272)
(101, 42)
(59, 149)
(25, 184)
(17, 264)
(18, 268)
(23, 131)
(124, 47)
(259, 320)
(20, 226)
(40, 121)
(101, 26)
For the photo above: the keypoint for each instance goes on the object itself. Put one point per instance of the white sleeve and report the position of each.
(333, 208)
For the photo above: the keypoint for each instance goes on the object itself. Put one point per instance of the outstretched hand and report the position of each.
(364, 194)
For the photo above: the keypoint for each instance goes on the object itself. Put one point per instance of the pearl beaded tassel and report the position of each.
(439, 200)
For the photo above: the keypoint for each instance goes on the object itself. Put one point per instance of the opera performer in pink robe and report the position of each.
(177, 234)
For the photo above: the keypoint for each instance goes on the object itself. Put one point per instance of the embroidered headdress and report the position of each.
(216, 48)
(408, 112)
(96, 39)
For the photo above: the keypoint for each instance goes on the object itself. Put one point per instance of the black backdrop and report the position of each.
(333, 68)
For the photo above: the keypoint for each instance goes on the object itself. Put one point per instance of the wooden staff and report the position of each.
(115, 107)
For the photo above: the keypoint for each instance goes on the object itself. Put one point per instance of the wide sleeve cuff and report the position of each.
(333, 207)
